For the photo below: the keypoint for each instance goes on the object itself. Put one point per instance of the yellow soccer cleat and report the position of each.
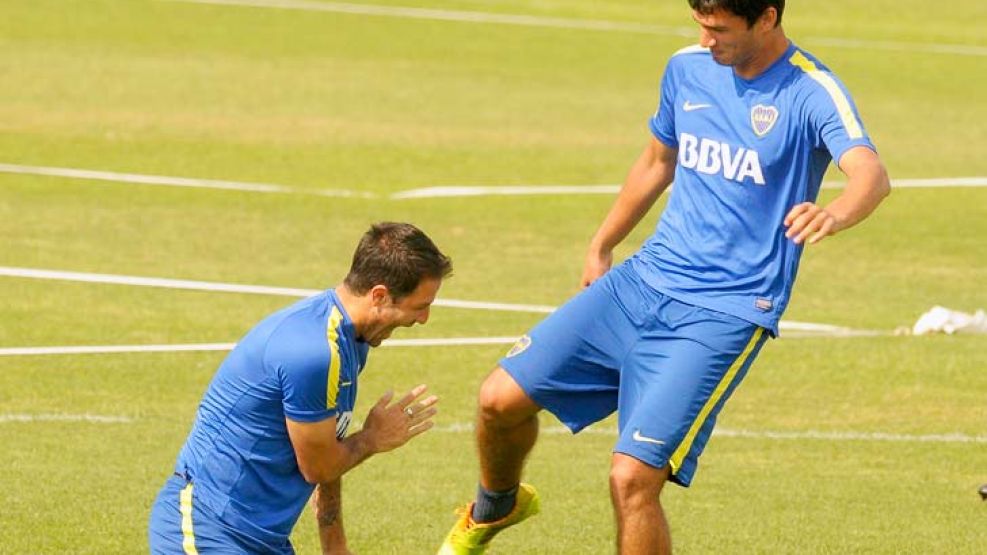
(471, 538)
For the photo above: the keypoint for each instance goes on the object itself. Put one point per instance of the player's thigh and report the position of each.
(676, 380)
(568, 364)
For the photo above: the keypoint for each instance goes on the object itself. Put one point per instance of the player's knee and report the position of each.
(632, 479)
(502, 401)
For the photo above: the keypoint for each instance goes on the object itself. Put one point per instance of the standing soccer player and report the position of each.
(747, 124)
(272, 425)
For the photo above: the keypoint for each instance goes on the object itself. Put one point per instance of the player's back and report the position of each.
(238, 453)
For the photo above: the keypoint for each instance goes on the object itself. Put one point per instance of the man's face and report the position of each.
(410, 310)
(728, 38)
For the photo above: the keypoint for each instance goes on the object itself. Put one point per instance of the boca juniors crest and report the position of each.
(763, 118)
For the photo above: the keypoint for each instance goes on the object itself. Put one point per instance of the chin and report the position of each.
(375, 342)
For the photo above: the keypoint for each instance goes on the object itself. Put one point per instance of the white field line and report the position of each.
(204, 347)
(520, 190)
(895, 46)
(505, 190)
(448, 341)
(163, 180)
(106, 349)
(927, 182)
(454, 15)
(139, 281)
(506, 307)
(581, 24)
(417, 193)
(35, 273)
(90, 418)
(421, 342)
(467, 427)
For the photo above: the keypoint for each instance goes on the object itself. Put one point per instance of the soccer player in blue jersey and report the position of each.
(747, 124)
(271, 428)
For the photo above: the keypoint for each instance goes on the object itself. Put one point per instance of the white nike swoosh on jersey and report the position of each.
(638, 437)
(690, 107)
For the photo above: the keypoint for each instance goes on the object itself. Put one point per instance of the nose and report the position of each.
(706, 39)
(423, 317)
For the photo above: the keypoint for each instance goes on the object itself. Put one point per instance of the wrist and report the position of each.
(840, 220)
(598, 249)
(365, 443)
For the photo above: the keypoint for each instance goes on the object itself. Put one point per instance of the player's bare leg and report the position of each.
(634, 489)
(506, 430)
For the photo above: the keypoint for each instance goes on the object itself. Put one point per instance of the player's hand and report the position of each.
(809, 221)
(597, 264)
(391, 425)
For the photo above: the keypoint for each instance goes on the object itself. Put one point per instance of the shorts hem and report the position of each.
(678, 478)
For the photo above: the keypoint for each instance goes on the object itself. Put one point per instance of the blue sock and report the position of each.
(493, 505)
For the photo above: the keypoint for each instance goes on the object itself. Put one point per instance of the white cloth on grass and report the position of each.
(943, 320)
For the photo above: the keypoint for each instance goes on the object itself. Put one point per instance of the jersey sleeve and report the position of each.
(662, 123)
(302, 364)
(835, 122)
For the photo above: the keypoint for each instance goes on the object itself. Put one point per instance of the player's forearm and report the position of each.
(329, 464)
(353, 450)
(866, 187)
(327, 505)
(648, 178)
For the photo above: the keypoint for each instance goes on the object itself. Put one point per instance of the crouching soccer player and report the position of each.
(747, 125)
(271, 427)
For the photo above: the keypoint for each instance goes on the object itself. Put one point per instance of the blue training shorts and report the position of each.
(667, 367)
(181, 525)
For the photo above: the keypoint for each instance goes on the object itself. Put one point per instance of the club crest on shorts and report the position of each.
(763, 118)
(522, 343)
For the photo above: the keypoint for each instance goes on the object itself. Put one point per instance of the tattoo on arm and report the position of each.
(328, 504)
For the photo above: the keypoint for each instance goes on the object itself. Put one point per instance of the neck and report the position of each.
(774, 46)
(356, 306)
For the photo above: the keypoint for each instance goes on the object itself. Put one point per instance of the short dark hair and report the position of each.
(747, 9)
(398, 256)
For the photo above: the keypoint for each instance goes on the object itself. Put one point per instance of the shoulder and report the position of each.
(824, 98)
(812, 75)
(300, 337)
(690, 56)
(694, 49)
(686, 63)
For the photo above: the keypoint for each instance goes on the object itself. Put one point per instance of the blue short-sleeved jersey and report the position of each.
(301, 362)
(748, 151)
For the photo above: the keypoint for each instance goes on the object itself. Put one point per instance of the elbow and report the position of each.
(317, 474)
(877, 184)
(309, 474)
(885, 187)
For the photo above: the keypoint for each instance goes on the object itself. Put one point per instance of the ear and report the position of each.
(379, 296)
(769, 18)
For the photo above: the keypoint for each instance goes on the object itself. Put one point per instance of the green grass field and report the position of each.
(379, 104)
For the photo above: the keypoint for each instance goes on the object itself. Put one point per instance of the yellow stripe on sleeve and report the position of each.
(849, 119)
(188, 536)
(332, 335)
(683, 449)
